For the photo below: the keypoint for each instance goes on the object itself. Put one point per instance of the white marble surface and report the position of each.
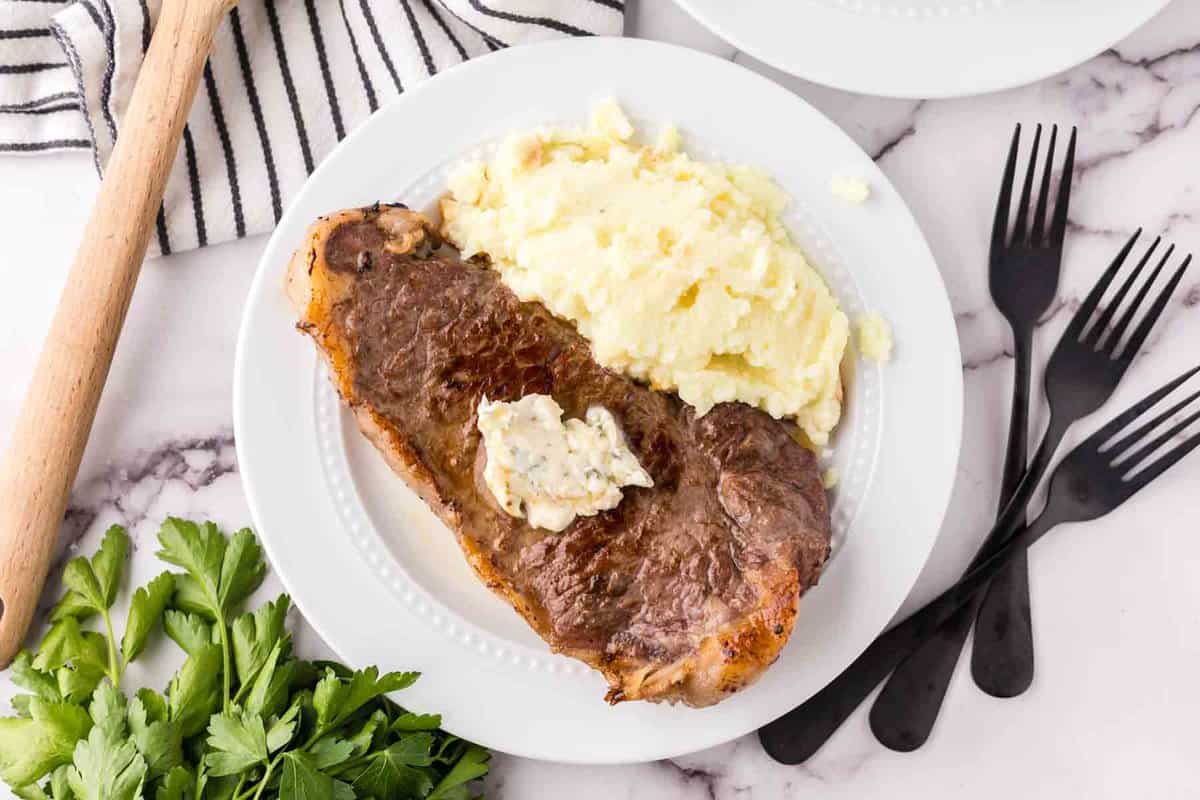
(1112, 711)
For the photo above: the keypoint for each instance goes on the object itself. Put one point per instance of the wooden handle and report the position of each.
(56, 418)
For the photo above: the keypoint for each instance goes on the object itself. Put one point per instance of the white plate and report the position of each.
(923, 48)
(380, 578)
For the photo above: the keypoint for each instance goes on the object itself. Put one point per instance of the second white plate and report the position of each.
(923, 48)
(382, 580)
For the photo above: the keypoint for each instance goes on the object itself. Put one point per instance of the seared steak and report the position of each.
(685, 591)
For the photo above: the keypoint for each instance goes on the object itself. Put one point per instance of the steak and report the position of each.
(686, 591)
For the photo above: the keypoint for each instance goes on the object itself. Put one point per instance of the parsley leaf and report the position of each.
(78, 681)
(31, 748)
(414, 750)
(107, 710)
(212, 788)
(153, 704)
(178, 784)
(222, 575)
(64, 644)
(394, 772)
(72, 605)
(60, 788)
(409, 721)
(194, 693)
(280, 733)
(198, 550)
(145, 609)
(95, 583)
(282, 729)
(219, 575)
(30, 792)
(42, 684)
(336, 699)
(189, 631)
(269, 692)
(242, 569)
(20, 704)
(329, 751)
(157, 739)
(92, 587)
(471, 766)
(371, 733)
(106, 766)
(79, 576)
(109, 562)
(56, 789)
(255, 634)
(238, 741)
(302, 781)
(77, 658)
(191, 597)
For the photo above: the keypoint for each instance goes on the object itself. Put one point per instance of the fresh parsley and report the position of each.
(242, 719)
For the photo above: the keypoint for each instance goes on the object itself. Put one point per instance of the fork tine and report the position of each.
(1140, 479)
(1118, 330)
(1000, 224)
(1021, 225)
(1110, 309)
(1134, 345)
(1126, 442)
(1058, 227)
(1126, 417)
(1093, 299)
(1150, 447)
(1039, 214)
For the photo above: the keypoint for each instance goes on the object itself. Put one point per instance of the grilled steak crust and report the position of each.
(683, 592)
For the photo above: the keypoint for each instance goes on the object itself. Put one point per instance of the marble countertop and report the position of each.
(1112, 710)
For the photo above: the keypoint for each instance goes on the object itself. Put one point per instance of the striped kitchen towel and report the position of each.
(286, 81)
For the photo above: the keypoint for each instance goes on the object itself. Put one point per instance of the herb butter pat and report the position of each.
(550, 472)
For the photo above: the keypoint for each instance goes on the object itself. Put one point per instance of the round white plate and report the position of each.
(382, 580)
(923, 48)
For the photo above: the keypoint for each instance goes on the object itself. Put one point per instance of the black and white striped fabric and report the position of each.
(287, 80)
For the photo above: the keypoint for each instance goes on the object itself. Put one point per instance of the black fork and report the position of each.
(1023, 276)
(1023, 271)
(1085, 369)
(1097, 477)
(1023, 267)
(1089, 361)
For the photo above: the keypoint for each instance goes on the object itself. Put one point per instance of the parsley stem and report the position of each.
(266, 777)
(242, 689)
(225, 677)
(114, 670)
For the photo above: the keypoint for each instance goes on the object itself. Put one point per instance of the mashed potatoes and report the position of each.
(875, 338)
(679, 272)
(854, 191)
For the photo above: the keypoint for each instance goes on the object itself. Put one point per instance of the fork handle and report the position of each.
(60, 403)
(798, 734)
(1002, 656)
(903, 715)
(1016, 452)
(1002, 653)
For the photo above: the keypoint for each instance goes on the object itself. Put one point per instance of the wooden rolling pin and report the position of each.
(56, 418)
